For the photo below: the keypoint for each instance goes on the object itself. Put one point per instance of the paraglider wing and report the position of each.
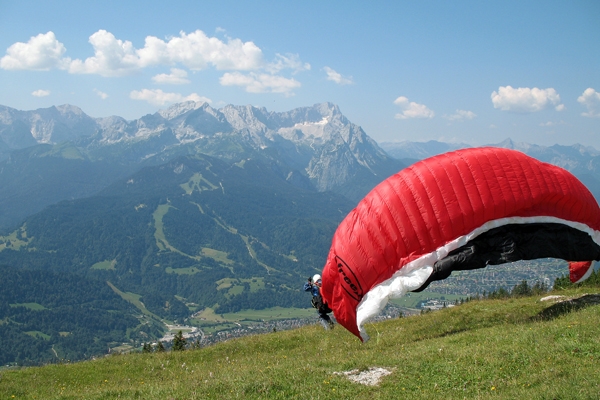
(455, 211)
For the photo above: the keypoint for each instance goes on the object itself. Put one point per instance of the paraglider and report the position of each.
(456, 211)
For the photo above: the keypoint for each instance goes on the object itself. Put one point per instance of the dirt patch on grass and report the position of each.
(370, 377)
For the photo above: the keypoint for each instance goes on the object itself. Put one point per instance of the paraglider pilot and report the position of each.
(314, 286)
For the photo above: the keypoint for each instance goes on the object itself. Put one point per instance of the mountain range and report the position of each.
(312, 147)
(188, 209)
(581, 161)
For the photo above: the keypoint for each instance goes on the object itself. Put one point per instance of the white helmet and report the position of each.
(316, 278)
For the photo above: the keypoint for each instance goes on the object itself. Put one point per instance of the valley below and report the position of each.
(209, 221)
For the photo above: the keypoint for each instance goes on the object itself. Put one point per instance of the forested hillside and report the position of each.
(48, 317)
(194, 233)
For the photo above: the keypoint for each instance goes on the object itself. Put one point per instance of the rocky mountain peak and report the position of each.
(178, 109)
(68, 110)
(318, 141)
(7, 115)
(247, 117)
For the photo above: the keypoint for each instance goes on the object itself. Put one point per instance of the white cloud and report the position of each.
(159, 98)
(176, 77)
(525, 100)
(112, 57)
(115, 57)
(336, 77)
(412, 109)
(197, 51)
(290, 61)
(461, 115)
(260, 83)
(100, 94)
(591, 100)
(41, 93)
(41, 52)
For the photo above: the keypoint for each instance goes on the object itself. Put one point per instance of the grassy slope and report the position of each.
(516, 348)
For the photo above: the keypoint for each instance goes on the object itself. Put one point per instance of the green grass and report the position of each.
(65, 150)
(217, 255)
(164, 245)
(159, 234)
(134, 299)
(235, 290)
(256, 284)
(270, 314)
(235, 285)
(31, 306)
(210, 322)
(161, 240)
(108, 265)
(253, 254)
(199, 183)
(15, 240)
(507, 349)
(38, 335)
(71, 153)
(183, 271)
(209, 315)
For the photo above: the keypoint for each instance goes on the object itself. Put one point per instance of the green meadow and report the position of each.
(210, 322)
(513, 348)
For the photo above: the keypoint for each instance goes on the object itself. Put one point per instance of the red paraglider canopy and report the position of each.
(405, 232)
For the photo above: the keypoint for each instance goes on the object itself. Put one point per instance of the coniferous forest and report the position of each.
(47, 316)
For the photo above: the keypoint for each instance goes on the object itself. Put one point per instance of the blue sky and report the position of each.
(465, 71)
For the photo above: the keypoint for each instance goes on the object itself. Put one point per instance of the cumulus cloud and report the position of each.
(159, 98)
(260, 83)
(591, 100)
(112, 57)
(176, 77)
(526, 100)
(461, 115)
(100, 94)
(410, 109)
(336, 77)
(197, 51)
(41, 93)
(115, 57)
(41, 53)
